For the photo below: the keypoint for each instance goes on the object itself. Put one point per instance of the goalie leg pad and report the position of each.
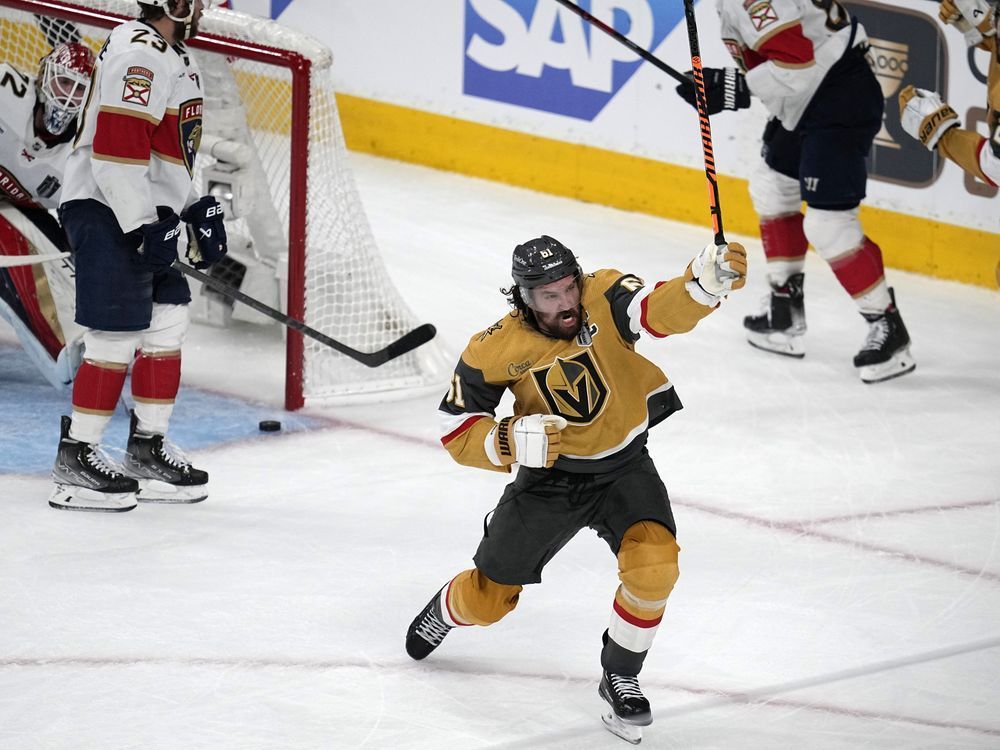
(473, 599)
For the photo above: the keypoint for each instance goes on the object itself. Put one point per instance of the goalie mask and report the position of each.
(63, 77)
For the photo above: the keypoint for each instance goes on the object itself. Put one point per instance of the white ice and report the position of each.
(840, 581)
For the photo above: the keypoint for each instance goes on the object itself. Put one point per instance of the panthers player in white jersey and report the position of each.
(37, 123)
(806, 61)
(128, 189)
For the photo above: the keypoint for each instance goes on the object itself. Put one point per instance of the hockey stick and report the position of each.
(9, 261)
(706, 128)
(417, 337)
(644, 54)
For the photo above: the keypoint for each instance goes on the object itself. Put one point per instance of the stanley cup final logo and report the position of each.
(906, 45)
(889, 61)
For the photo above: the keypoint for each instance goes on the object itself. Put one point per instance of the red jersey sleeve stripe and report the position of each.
(166, 139)
(789, 46)
(121, 136)
(461, 428)
(644, 321)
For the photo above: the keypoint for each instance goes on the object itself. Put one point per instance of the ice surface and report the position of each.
(840, 581)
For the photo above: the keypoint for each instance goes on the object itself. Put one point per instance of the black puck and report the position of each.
(269, 425)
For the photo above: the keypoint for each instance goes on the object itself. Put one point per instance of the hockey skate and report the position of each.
(886, 351)
(781, 326)
(163, 473)
(86, 479)
(629, 708)
(427, 630)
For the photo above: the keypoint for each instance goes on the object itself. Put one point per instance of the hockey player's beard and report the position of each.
(564, 324)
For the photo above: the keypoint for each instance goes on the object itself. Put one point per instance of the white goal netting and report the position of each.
(273, 148)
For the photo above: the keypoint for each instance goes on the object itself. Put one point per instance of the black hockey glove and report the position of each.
(157, 246)
(725, 88)
(206, 232)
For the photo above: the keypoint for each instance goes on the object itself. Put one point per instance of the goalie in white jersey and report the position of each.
(128, 189)
(806, 61)
(37, 124)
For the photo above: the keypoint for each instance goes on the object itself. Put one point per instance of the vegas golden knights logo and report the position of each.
(573, 387)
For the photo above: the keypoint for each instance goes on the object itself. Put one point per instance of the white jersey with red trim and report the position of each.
(141, 127)
(786, 48)
(31, 171)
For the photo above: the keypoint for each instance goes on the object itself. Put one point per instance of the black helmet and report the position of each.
(542, 261)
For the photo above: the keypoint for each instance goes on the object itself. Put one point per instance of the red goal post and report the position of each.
(277, 81)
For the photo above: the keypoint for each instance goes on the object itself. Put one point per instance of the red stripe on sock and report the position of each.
(96, 388)
(156, 378)
(860, 270)
(783, 237)
(633, 620)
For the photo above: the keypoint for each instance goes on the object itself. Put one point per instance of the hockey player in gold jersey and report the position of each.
(929, 119)
(584, 402)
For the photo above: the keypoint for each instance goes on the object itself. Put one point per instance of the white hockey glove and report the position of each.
(715, 272)
(924, 116)
(530, 441)
(974, 18)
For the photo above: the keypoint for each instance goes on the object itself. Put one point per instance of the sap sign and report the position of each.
(539, 54)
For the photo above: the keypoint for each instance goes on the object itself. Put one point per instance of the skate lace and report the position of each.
(626, 686)
(173, 455)
(431, 629)
(878, 333)
(100, 458)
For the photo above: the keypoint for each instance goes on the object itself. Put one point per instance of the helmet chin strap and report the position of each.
(187, 21)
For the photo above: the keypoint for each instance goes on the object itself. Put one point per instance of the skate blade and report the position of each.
(899, 364)
(155, 491)
(778, 343)
(66, 497)
(628, 732)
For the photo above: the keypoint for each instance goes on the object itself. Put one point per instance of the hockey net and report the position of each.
(273, 150)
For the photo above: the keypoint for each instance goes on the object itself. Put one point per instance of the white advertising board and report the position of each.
(533, 66)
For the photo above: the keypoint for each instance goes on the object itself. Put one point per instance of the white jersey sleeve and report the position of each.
(786, 48)
(142, 127)
(31, 170)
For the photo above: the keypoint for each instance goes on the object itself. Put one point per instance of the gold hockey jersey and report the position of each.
(609, 394)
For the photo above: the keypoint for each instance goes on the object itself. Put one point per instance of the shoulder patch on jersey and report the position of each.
(136, 90)
(762, 13)
(138, 70)
(189, 123)
(490, 331)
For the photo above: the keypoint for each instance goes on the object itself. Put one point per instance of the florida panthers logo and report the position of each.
(573, 387)
(189, 122)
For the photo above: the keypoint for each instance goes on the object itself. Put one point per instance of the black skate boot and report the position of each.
(781, 326)
(886, 351)
(163, 473)
(427, 630)
(629, 707)
(87, 480)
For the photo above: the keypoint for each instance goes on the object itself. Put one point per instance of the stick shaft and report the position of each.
(420, 335)
(10, 261)
(644, 54)
(714, 204)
